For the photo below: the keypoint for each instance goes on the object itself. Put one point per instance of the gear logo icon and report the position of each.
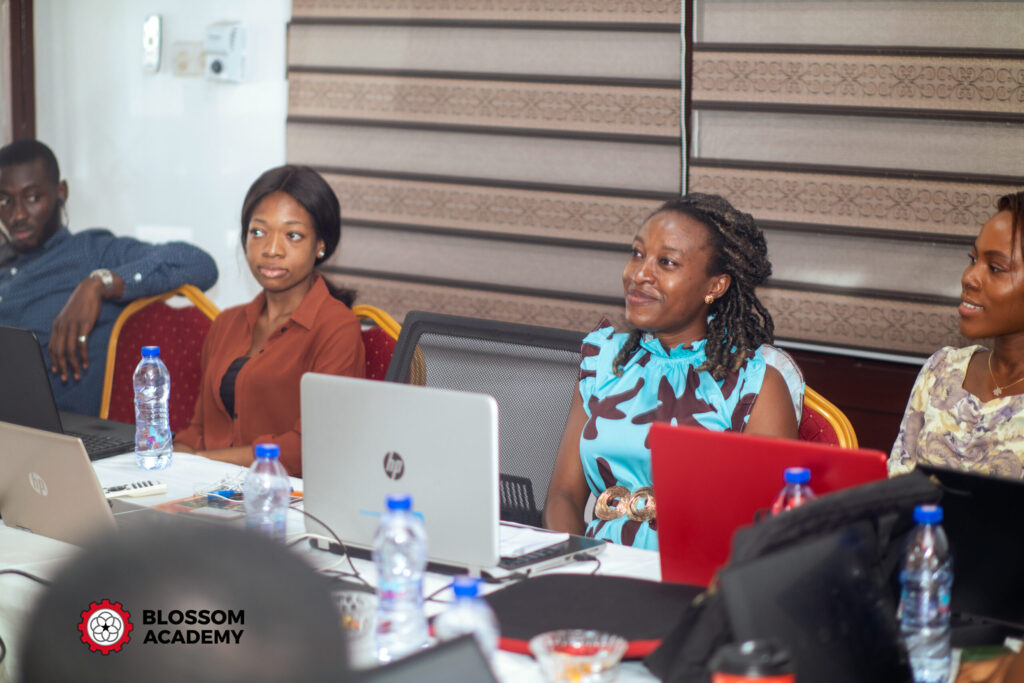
(105, 627)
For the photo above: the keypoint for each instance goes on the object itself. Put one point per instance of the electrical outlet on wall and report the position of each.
(225, 51)
(187, 59)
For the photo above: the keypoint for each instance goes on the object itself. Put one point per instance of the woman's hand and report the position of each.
(568, 491)
(69, 353)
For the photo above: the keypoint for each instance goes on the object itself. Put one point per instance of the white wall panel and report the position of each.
(159, 156)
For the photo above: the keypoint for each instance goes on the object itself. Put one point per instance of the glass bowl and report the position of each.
(578, 656)
(356, 612)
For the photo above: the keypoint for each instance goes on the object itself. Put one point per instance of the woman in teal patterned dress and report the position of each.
(693, 356)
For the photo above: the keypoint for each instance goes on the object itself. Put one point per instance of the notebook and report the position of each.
(708, 484)
(982, 518)
(22, 365)
(364, 439)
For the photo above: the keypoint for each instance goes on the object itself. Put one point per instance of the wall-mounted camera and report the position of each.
(225, 51)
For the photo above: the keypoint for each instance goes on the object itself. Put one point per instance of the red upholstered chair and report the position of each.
(823, 422)
(179, 332)
(378, 339)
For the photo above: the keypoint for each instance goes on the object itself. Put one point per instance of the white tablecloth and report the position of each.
(190, 474)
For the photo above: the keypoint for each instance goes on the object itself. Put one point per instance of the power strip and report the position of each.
(135, 489)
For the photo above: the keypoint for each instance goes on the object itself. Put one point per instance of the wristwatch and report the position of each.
(104, 276)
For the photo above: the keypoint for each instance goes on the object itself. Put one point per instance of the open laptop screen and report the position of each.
(22, 366)
(983, 517)
(708, 484)
(33, 405)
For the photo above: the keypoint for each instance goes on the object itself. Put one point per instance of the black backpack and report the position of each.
(822, 579)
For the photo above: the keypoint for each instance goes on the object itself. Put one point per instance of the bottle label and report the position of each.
(944, 597)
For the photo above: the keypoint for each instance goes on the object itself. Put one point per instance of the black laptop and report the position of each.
(983, 517)
(27, 399)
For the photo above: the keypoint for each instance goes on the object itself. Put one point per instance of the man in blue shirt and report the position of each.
(67, 287)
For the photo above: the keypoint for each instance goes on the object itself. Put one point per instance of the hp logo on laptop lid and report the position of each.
(37, 483)
(394, 465)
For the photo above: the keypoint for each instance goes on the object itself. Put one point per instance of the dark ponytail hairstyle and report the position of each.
(1014, 203)
(309, 189)
(740, 322)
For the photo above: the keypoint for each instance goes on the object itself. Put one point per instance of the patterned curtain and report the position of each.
(494, 158)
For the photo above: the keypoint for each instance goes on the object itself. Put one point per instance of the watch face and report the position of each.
(104, 276)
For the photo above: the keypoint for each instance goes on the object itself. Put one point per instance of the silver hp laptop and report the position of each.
(363, 439)
(32, 404)
(48, 486)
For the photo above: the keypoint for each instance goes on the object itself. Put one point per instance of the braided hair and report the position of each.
(740, 323)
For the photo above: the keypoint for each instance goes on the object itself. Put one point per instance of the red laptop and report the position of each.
(708, 484)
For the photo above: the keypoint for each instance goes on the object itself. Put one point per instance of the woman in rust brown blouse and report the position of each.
(255, 355)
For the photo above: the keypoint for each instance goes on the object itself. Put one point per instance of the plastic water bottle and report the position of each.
(469, 614)
(400, 554)
(796, 492)
(926, 579)
(152, 384)
(267, 492)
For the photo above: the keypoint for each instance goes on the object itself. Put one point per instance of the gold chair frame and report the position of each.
(190, 292)
(844, 429)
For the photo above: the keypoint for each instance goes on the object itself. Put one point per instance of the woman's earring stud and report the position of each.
(709, 299)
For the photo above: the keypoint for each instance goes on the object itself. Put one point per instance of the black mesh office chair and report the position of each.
(531, 372)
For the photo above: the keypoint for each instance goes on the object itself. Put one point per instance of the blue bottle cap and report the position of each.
(267, 450)
(928, 514)
(150, 351)
(797, 475)
(466, 586)
(399, 501)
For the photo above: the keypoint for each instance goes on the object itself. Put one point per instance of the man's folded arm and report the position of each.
(149, 269)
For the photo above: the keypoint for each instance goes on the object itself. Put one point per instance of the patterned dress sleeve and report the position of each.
(590, 357)
(791, 375)
(904, 453)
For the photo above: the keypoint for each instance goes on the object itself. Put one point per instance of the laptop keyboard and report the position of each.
(100, 443)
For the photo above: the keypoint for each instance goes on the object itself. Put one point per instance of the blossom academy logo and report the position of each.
(105, 627)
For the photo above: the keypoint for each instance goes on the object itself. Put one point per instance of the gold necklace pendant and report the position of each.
(998, 391)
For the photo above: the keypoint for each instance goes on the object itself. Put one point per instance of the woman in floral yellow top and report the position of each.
(966, 410)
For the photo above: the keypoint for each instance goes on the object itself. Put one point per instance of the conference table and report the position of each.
(191, 474)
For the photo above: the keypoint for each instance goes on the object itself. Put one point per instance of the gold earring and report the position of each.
(709, 299)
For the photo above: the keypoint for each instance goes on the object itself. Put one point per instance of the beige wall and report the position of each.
(5, 75)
